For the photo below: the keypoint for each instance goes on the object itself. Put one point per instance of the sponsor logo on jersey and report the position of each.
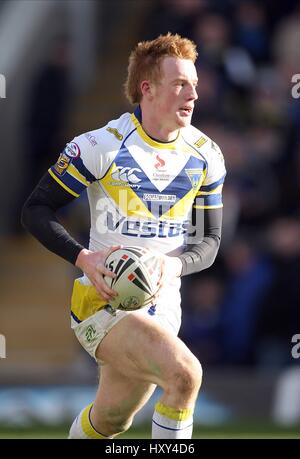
(195, 176)
(72, 150)
(159, 197)
(142, 228)
(91, 138)
(163, 177)
(200, 142)
(115, 132)
(160, 163)
(62, 163)
(126, 174)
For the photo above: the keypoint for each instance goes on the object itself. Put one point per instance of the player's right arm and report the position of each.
(39, 218)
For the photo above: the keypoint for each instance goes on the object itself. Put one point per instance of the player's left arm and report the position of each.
(201, 251)
(204, 242)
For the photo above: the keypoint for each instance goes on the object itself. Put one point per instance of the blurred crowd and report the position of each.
(246, 308)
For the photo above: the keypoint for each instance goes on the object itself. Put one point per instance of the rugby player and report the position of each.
(155, 181)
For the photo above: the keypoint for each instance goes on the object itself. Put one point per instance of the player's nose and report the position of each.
(192, 93)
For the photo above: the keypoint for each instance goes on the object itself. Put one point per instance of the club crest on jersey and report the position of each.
(195, 176)
(62, 163)
(72, 150)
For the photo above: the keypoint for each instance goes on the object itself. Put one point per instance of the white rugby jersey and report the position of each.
(141, 191)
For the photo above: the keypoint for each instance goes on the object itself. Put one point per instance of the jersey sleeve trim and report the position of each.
(76, 174)
(213, 185)
(217, 190)
(196, 206)
(209, 200)
(62, 184)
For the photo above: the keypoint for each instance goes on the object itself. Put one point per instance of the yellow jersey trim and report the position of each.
(62, 184)
(173, 413)
(153, 143)
(215, 191)
(196, 206)
(87, 426)
(76, 174)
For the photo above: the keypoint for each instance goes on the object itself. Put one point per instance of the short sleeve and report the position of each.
(78, 166)
(209, 195)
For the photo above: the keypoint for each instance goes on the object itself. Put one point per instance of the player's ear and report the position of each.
(146, 89)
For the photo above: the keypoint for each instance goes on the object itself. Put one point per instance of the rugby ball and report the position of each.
(137, 273)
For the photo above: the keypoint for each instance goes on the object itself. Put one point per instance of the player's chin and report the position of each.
(184, 121)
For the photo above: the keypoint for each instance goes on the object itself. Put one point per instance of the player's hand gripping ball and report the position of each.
(137, 273)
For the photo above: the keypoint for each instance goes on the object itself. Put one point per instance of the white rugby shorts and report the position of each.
(167, 312)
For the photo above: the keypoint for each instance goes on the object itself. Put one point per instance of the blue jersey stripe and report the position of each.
(70, 182)
(213, 185)
(209, 200)
(78, 163)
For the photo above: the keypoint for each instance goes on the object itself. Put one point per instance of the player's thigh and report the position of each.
(142, 349)
(119, 395)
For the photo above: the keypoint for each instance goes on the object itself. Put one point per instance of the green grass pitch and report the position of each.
(229, 431)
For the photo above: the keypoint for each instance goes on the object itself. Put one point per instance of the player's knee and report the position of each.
(187, 377)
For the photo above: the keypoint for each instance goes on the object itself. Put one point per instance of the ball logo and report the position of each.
(131, 302)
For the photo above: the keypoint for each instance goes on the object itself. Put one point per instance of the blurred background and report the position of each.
(64, 63)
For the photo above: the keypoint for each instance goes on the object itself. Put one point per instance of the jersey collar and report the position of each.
(136, 118)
